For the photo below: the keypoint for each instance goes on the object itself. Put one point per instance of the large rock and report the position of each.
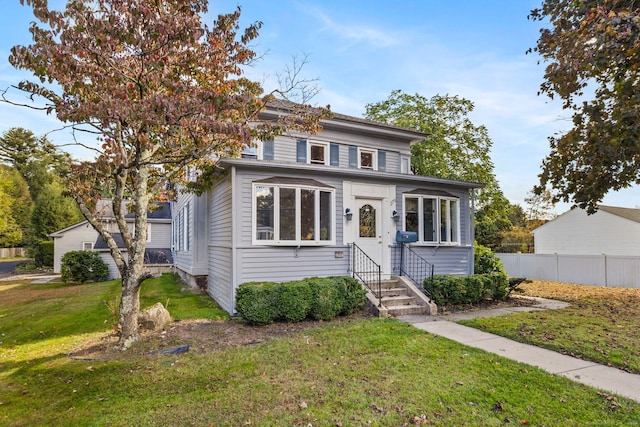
(154, 318)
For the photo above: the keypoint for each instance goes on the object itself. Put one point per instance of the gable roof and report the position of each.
(280, 107)
(627, 213)
(162, 214)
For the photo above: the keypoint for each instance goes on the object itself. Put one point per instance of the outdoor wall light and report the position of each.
(395, 215)
(348, 214)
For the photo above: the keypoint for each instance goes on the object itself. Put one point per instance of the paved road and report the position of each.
(8, 266)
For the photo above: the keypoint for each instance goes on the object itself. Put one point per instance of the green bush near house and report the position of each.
(315, 298)
(453, 290)
(294, 301)
(257, 302)
(83, 266)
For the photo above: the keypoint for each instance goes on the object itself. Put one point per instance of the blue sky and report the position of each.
(362, 50)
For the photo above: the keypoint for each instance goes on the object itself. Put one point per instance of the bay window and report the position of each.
(436, 219)
(290, 214)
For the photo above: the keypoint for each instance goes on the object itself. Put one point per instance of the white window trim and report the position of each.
(374, 160)
(327, 152)
(437, 219)
(276, 217)
(85, 243)
(186, 214)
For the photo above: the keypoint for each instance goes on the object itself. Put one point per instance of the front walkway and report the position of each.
(609, 379)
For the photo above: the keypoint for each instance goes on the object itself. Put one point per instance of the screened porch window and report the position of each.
(435, 219)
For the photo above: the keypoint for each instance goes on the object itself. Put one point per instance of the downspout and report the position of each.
(473, 231)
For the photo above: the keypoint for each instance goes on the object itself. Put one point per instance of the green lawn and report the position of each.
(349, 373)
(602, 323)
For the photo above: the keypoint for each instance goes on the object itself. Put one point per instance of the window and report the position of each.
(367, 159)
(364, 158)
(259, 150)
(436, 219)
(186, 227)
(318, 153)
(87, 246)
(289, 214)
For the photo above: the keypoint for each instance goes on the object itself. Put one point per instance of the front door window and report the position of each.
(367, 221)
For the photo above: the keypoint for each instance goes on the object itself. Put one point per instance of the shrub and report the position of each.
(82, 267)
(486, 261)
(352, 293)
(326, 302)
(41, 251)
(294, 300)
(257, 302)
(453, 290)
(317, 298)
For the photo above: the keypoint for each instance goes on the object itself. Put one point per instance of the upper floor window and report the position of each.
(436, 219)
(318, 153)
(367, 159)
(293, 212)
(259, 150)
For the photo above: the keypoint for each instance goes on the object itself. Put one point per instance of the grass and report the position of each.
(601, 325)
(355, 372)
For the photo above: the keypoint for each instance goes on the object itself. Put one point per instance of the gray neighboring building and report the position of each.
(82, 236)
(292, 207)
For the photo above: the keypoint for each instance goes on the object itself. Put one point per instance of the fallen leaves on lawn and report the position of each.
(572, 292)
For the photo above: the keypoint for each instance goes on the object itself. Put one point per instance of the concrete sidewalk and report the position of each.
(602, 377)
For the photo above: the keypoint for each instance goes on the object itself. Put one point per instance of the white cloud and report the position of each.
(352, 32)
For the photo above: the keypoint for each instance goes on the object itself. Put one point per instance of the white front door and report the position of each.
(368, 230)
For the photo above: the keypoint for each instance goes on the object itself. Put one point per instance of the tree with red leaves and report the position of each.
(161, 90)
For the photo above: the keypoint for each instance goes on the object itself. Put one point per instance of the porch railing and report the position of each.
(367, 271)
(416, 269)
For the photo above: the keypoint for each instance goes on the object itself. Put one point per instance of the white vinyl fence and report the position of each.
(602, 270)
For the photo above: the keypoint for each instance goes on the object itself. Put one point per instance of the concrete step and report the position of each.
(398, 301)
(404, 310)
(392, 292)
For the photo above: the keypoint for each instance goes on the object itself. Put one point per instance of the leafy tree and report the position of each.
(592, 50)
(162, 91)
(53, 211)
(15, 207)
(37, 159)
(454, 148)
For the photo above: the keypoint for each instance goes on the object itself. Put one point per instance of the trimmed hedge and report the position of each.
(316, 298)
(453, 290)
(83, 266)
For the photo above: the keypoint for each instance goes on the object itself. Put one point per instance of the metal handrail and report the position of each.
(417, 270)
(367, 271)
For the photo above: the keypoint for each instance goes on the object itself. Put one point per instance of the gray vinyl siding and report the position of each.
(454, 260)
(281, 264)
(71, 240)
(285, 148)
(220, 282)
(194, 260)
(160, 235)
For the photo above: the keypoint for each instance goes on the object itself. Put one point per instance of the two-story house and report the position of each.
(294, 207)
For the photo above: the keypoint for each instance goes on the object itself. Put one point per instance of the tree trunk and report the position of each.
(130, 307)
